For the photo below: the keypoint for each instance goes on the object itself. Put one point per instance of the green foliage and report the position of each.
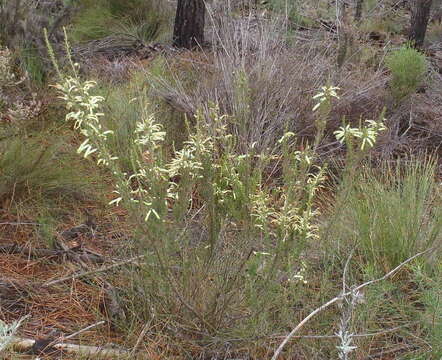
(93, 22)
(431, 299)
(33, 65)
(123, 111)
(137, 19)
(290, 9)
(46, 230)
(408, 67)
(31, 167)
(391, 216)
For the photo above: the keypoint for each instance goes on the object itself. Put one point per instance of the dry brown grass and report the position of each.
(265, 79)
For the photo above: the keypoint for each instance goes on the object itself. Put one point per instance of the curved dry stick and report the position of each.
(86, 273)
(332, 301)
(96, 352)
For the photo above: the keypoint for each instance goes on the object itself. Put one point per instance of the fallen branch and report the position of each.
(22, 345)
(377, 333)
(91, 272)
(85, 329)
(341, 296)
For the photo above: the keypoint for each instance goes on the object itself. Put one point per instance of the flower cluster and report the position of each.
(86, 116)
(325, 95)
(367, 135)
(7, 76)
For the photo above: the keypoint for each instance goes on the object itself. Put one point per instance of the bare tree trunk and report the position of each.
(189, 24)
(358, 12)
(419, 21)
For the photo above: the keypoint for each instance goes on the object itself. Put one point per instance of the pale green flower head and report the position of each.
(149, 133)
(346, 132)
(185, 161)
(367, 134)
(326, 94)
(286, 136)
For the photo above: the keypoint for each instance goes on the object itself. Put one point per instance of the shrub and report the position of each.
(247, 235)
(222, 247)
(407, 66)
(21, 25)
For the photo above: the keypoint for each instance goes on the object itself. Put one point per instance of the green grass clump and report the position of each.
(33, 65)
(124, 111)
(392, 216)
(32, 167)
(141, 20)
(92, 22)
(407, 66)
(432, 317)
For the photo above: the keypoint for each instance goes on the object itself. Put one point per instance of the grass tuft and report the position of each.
(35, 167)
(391, 213)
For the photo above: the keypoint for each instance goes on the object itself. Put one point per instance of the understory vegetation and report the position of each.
(272, 194)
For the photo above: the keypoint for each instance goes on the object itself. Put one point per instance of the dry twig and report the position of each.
(21, 344)
(339, 297)
(86, 273)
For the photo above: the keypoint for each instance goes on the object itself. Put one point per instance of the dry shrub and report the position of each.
(261, 81)
(364, 94)
(264, 78)
(415, 125)
(21, 30)
(113, 71)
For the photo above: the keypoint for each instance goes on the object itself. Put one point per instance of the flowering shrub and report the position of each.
(208, 177)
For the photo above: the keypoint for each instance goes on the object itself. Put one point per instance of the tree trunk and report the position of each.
(189, 24)
(419, 21)
(358, 12)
